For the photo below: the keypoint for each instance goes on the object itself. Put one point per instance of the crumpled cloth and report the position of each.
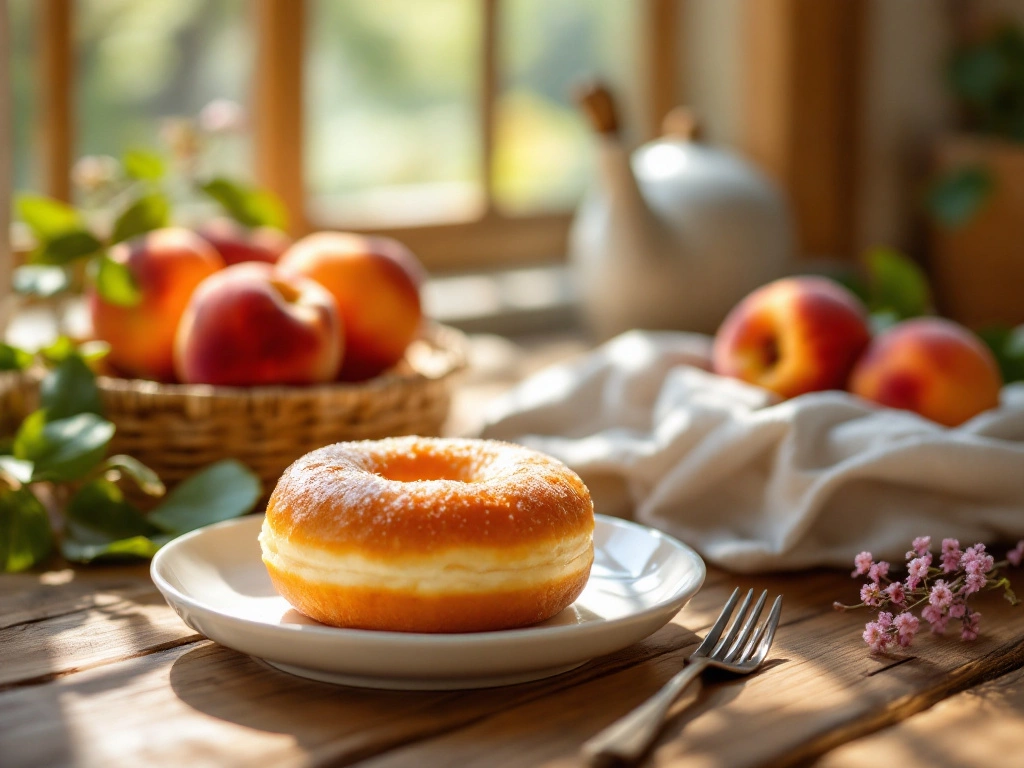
(756, 484)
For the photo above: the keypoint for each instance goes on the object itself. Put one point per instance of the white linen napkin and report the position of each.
(756, 484)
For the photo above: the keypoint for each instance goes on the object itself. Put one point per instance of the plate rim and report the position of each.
(440, 639)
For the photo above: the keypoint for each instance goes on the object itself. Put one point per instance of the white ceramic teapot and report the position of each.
(675, 235)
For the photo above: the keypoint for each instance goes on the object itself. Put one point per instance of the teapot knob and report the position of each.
(598, 105)
(681, 123)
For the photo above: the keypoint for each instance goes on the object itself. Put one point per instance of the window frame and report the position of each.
(488, 240)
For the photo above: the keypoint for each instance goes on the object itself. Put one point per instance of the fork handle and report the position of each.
(627, 739)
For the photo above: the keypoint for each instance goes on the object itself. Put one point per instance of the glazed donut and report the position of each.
(417, 534)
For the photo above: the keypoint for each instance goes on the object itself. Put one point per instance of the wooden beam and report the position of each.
(489, 92)
(56, 97)
(6, 171)
(495, 242)
(663, 60)
(278, 104)
(801, 110)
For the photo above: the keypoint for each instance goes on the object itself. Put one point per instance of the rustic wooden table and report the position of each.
(96, 670)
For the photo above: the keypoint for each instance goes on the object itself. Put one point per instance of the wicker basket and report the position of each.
(179, 428)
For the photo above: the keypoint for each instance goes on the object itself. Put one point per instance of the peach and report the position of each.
(247, 326)
(931, 366)
(237, 244)
(375, 281)
(795, 335)
(167, 265)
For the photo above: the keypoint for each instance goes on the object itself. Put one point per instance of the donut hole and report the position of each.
(417, 467)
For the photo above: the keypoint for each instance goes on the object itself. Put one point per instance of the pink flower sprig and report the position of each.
(940, 585)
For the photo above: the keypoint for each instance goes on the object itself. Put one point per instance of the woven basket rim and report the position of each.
(448, 346)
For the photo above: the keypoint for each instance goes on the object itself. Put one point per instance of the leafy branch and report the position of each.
(134, 191)
(59, 452)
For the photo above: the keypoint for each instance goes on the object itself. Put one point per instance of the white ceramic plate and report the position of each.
(214, 578)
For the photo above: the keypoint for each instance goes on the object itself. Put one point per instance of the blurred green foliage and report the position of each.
(987, 78)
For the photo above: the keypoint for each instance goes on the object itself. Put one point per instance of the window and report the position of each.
(448, 123)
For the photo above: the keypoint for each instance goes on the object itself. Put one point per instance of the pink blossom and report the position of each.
(1016, 554)
(884, 620)
(969, 629)
(951, 555)
(878, 571)
(875, 636)
(941, 595)
(920, 546)
(863, 563)
(918, 570)
(976, 561)
(974, 583)
(906, 625)
(870, 594)
(934, 616)
(957, 610)
(896, 593)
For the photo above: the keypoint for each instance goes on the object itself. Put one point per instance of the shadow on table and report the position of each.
(333, 721)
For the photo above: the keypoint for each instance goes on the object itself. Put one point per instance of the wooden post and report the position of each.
(489, 86)
(801, 104)
(6, 139)
(278, 104)
(663, 61)
(56, 97)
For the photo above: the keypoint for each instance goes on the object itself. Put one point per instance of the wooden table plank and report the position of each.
(28, 597)
(205, 704)
(135, 625)
(981, 726)
(821, 688)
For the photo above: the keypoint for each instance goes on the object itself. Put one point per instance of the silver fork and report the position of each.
(741, 651)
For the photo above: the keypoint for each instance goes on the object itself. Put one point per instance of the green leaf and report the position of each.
(144, 477)
(66, 247)
(144, 165)
(70, 389)
(958, 196)
(13, 358)
(133, 548)
(221, 491)
(249, 206)
(47, 218)
(19, 469)
(25, 535)
(41, 280)
(93, 350)
(149, 212)
(98, 512)
(62, 450)
(115, 282)
(29, 441)
(1007, 344)
(102, 525)
(896, 284)
(61, 349)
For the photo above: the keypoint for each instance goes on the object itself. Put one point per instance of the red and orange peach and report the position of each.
(931, 366)
(375, 281)
(792, 336)
(236, 244)
(249, 326)
(166, 265)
